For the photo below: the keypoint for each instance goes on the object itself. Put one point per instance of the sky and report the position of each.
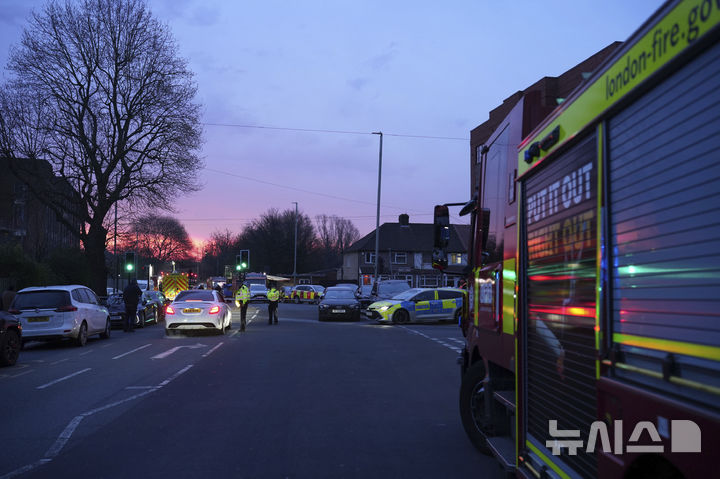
(292, 91)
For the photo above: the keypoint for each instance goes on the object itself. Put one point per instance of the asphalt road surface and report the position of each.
(301, 399)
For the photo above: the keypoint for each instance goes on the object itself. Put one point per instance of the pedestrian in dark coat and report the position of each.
(131, 297)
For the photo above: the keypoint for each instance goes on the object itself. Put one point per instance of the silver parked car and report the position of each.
(198, 309)
(55, 312)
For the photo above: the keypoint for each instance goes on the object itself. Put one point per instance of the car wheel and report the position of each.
(106, 334)
(10, 346)
(296, 300)
(81, 339)
(401, 316)
(141, 319)
(472, 406)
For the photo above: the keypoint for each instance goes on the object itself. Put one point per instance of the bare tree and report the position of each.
(335, 234)
(271, 241)
(158, 238)
(99, 92)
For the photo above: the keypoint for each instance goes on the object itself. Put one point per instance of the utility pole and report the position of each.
(117, 260)
(295, 257)
(377, 217)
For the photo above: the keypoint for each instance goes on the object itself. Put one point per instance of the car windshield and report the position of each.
(407, 295)
(392, 289)
(195, 295)
(258, 287)
(41, 299)
(342, 293)
(115, 299)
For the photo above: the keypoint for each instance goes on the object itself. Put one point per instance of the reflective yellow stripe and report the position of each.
(547, 461)
(688, 349)
(448, 304)
(508, 296)
(684, 25)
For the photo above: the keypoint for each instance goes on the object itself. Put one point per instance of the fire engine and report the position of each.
(593, 321)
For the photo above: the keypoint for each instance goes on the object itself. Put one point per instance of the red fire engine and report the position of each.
(593, 324)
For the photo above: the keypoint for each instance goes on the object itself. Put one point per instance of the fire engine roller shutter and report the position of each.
(561, 204)
(664, 194)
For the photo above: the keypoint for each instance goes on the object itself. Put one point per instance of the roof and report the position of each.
(414, 237)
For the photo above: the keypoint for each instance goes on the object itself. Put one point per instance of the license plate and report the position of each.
(338, 310)
(192, 310)
(39, 319)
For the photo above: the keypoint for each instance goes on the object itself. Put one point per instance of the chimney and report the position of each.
(404, 219)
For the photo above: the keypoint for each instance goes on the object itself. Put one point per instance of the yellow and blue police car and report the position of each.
(419, 304)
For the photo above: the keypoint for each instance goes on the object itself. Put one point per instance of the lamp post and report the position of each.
(295, 257)
(377, 217)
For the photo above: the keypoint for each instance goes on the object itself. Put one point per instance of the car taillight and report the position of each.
(215, 310)
(66, 309)
(169, 310)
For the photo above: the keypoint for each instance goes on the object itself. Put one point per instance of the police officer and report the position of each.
(131, 297)
(242, 297)
(273, 296)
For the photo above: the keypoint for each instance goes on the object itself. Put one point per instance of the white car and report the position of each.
(197, 309)
(55, 312)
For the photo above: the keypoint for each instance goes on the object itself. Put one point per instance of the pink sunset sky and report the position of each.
(292, 91)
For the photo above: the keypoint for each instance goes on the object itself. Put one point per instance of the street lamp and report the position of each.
(295, 257)
(377, 217)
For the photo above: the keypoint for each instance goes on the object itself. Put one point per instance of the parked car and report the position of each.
(55, 312)
(258, 292)
(198, 310)
(307, 293)
(160, 302)
(286, 294)
(10, 339)
(384, 289)
(339, 303)
(420, 304)
(148, 310)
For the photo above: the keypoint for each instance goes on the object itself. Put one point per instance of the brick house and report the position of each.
(25, 220)
(405, 252)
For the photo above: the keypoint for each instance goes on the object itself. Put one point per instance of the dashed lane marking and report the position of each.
(63, 378)
(134, 350)
(437, 340)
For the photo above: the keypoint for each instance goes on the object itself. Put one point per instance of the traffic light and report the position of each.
(129, 261)
(242, 261)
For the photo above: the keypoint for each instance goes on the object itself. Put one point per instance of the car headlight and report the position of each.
(324, 306)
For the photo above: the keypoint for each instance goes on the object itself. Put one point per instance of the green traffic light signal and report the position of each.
(129, 267)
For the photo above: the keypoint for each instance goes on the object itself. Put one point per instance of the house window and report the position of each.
(456, 258)
(369, 258)
(399, 258)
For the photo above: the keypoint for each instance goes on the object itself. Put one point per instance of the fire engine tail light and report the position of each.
(215, 310)
(169, 310)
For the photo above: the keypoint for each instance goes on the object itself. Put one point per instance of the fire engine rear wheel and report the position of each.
(401, 316)
(472, 406)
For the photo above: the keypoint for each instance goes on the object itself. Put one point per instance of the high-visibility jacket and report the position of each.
(273, 294)
(242, 295)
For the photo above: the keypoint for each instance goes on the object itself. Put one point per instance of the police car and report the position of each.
(419, 304)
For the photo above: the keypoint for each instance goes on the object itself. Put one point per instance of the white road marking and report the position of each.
(86, 352)
(211, 351)
(177, 348)
(63, 378)
(140, 387)
(22, 373)
(59, 361)
(65, 435)
(439, 341)
(130, 352)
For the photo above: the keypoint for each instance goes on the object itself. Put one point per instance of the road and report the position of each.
(298, 399)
